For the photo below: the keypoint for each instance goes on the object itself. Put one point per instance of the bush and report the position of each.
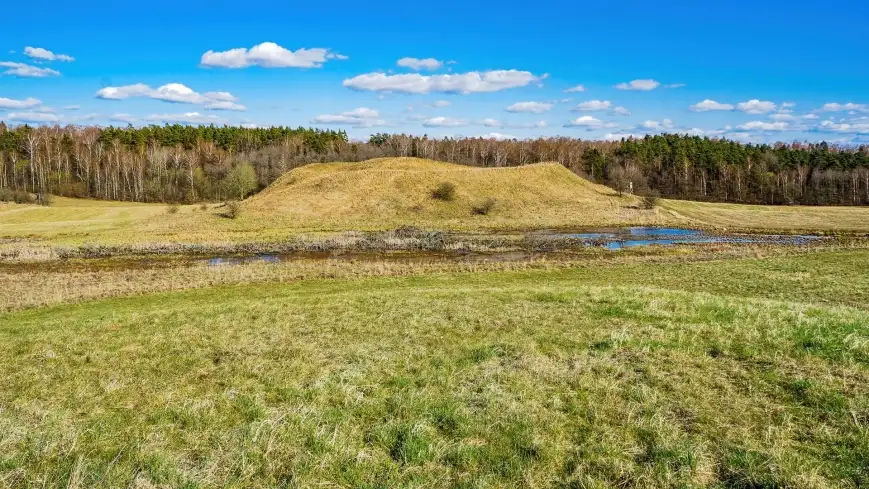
(483, 207)
(173, 209)
(233, 209)
(240, 181)
(44, 199)
(17, 196)
(446, 191)
(203, 206)
(650, 201)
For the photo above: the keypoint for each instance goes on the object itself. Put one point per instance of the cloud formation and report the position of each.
(463, 83)
(29, 102)
(532, 107)
(593, 105)
(639, 85)
(444, 122)
(174, 93)
(360, 117)
(420, 64)
(23, 70)
(588, 122)
(756, 106)
(269, 55)
(708, 105)
(576, 89)
(33, 116)
(186, 118)
(46, 55)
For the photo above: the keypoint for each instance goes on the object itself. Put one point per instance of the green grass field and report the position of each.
(733, 374)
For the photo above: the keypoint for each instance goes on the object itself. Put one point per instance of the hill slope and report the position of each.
(389, 191)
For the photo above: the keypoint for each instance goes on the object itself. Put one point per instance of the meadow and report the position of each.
(726, 365)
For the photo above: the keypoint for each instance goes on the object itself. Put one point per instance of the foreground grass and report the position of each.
(635, 375)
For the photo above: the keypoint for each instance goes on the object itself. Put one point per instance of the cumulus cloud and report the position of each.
(33, 117)
(175, 93)
(46, 55)
(22, 70)
(764, 126)
(464, 83)
(497, 135)
(850, 106)
(621, 111)
(269, 55)
(491, 123)
(29, 102)
(576, 89)
(420, 64)
(782, 116)
(589, 123)
(756, 106)
(619, 136)
(71, 107)
(442, 103)
(708, 105)
(851, 127)
(186, 118)
(639, 85)
(658, 125)
(593, 105)
(360, 117)
(533, 107)
(444, 122)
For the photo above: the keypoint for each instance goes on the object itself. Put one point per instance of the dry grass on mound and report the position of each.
(399, 191)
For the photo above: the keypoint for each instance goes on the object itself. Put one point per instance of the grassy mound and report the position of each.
(399, 191)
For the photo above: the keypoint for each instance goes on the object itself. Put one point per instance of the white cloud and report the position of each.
(175, 93)
(29, 102)
(639, 85)
(658, 125)
(420, 64)
(845, 127)
(26, 71)
(491, 123)
(781, 116)
(708, 105)
(850, 106)
(125, 118)
(186, 118)
(528, 125)
(674, 85)
(533, 107)
(497, 135)
(464, 83)
(589, 122)
(756, 106)
(269, 55)
(621, 111)
(44, 54)
(788, 105)
(360, 117)
(764, 126)
(444, 122)
(593, 105)
(576, 89)
(71, 107)
(810, 116)
(619, 136)
(442, 103)
(31, 116)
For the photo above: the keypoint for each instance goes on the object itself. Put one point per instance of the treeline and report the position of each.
(177, 163)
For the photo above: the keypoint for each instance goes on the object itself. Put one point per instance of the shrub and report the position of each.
(233, 209)
(483, 207)
(240, 181)
(445, 191)
(17, 196)
(203, 206)
(650, 201)
(173, 209)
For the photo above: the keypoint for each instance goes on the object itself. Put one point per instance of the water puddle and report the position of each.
(619, 238)
(611, 239)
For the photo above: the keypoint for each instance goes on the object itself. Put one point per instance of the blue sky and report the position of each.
(751, 71)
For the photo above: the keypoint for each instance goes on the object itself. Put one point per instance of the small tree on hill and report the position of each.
(240, 181)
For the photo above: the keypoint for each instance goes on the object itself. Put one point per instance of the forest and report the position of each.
(180, 163)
